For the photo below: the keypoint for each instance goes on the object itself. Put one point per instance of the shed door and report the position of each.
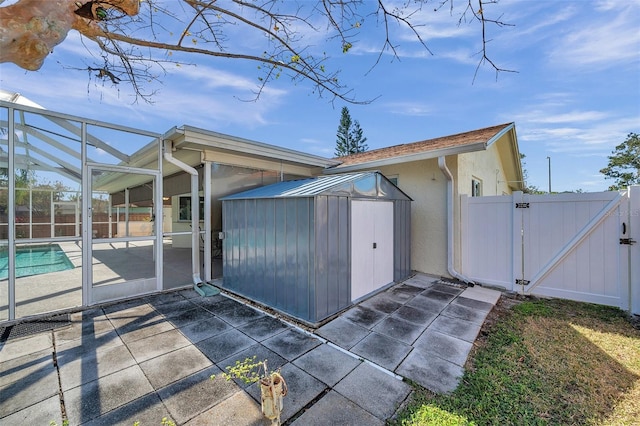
(371, 246)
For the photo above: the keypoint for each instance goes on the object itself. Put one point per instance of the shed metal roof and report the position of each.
(310, 187)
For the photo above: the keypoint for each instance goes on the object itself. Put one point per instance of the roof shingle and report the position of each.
(458, 140)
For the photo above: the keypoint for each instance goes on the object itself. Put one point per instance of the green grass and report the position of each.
(542, 362)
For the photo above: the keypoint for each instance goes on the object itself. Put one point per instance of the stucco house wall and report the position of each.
(420, 178)
(424, 183)
(486, 166)
(493, 158)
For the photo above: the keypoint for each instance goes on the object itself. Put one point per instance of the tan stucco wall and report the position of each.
(483, 165)
(426, 185)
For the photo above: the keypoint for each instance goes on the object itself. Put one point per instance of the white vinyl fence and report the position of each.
(575, 246)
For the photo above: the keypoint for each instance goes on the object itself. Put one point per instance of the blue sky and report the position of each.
(575, 96)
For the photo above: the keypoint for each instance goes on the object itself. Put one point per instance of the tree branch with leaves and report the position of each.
(135, 40)
(624, 164)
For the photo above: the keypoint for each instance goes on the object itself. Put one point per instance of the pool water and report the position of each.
(35, 260)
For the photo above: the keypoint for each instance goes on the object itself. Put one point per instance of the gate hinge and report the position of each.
(522, 205)
(628, 241)
(522, 282)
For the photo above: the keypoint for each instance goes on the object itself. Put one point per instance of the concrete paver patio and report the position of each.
(154, 357)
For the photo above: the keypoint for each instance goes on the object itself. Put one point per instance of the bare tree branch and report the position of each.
(136, 38)
(479, 15)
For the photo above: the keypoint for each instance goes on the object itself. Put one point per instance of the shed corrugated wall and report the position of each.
(402, 239)
(333, 269)
(288, 253)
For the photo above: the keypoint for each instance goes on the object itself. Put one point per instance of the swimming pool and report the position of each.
(35, 260)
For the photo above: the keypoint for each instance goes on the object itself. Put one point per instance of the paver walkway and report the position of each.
(420, 329)
(154, 357)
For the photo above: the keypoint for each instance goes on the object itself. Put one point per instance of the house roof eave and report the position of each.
(501, 133)
(426, 155)
(518, 179)
(195, 138)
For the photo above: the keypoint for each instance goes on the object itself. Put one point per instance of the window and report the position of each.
(185, 208)
(476, 188)
(393, 179)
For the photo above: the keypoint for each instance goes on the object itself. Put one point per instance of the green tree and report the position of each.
(349, 138)
(624, 163)
(358, 137)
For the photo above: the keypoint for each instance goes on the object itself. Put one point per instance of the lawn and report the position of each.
(539, 362)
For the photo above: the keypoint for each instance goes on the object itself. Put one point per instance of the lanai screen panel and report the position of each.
(47, 172)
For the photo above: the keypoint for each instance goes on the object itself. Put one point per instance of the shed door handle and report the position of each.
(375, 245)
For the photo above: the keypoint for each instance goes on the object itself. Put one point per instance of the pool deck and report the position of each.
(62, 290)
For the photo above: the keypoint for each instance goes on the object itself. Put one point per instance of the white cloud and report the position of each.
(440, 31)
(569, 117)
(595, 139)
(205, 76)
(558, 126)
(593, 184)
(526, 24)
(443, 29)
(216, 78)
(605, 5)
(446, 22)
(548, 100)
(460, 55)
(416, 109)
(605, 38)
(317, 147)
(178, 103)
(75, 44)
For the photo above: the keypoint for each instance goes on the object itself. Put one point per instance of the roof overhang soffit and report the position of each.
(203, 140)
(260, 163)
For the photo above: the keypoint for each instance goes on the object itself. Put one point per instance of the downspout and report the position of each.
(442, 163)
(195, 210)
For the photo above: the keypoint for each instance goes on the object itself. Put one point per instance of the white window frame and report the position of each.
(476, 187)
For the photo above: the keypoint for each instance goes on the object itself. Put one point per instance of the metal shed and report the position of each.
(312, 247)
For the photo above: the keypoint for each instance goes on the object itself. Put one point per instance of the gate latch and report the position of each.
(628, 241)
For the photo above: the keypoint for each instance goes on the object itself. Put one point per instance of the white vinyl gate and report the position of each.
(574, 246)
